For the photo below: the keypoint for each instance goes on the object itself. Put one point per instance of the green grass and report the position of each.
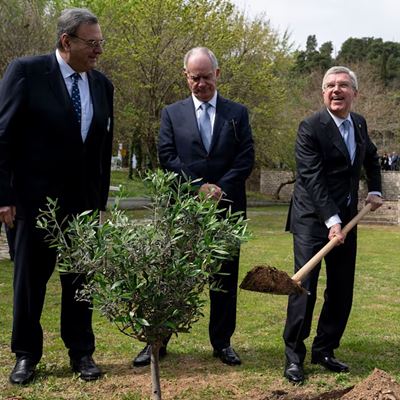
(372, 338)
(132, 187)
(135, 187)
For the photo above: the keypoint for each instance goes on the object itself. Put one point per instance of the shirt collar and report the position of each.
(198, 103)
(338, 120)
(66, 69)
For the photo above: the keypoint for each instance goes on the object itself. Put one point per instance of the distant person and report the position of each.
(393, 161)
(209, 137)
(56, 128)
(385, 162)
(332, 146)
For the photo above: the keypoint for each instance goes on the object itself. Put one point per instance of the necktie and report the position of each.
(205, 125)
(75, 96)
(347, 137)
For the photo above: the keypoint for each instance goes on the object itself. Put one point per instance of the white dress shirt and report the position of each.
(211, 110)
(84, 91)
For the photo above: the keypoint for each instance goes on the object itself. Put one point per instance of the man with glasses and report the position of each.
(332, 147)
(56, 128)
(209, 137)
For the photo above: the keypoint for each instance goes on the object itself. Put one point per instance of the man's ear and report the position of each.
(65, 41)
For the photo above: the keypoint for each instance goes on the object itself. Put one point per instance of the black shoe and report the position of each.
(227, 356)
(86, 368)
(144, 356)
(294, 373)
(23, 371)
(329, 362)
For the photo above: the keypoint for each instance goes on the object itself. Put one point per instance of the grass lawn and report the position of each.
(136, 188)
(372, 338)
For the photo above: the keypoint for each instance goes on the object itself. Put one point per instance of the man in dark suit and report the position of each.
(206, 136)
(58, 146)
(331, 148)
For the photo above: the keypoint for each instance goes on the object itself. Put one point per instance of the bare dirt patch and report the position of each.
(378, 386)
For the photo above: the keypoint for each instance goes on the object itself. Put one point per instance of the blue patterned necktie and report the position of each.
(347, 136)
(205, 125)
(76, 97)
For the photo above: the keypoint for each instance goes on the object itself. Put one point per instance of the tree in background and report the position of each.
(27, 28)
(312, 58)
(146, 42)
(384, 56)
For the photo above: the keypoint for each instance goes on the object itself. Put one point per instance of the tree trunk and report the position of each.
(155, 372)
(276, 195)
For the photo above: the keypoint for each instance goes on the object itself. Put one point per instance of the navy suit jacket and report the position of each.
(325, 175)
(231, 156)
(41, 150)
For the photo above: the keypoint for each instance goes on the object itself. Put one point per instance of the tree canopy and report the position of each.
(146, 43)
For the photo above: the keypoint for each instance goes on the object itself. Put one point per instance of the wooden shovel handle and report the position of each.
(309, 266)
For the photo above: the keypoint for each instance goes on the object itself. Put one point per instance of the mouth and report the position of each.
(337, 98)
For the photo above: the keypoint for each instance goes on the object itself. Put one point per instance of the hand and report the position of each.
(7, 215)
(336, 231)
(376, 201)
(211, 191)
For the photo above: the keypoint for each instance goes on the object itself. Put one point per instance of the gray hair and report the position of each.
(71, 19)
(201, 50)
(340, 70)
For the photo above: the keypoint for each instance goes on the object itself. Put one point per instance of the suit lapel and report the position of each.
(96, 99)
(219, 120)
(357, 137)
(57, 84)
(190, 120)
(332, 131)
(59, 89)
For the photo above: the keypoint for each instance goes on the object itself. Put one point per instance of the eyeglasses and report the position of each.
(198, 78)
(341, 85)
(91, 43)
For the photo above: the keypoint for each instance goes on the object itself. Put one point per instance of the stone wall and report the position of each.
(388, 214)
(270, 181)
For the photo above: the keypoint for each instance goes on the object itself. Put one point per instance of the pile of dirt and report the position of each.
(378, 386)
(266, 279)
(332, 395)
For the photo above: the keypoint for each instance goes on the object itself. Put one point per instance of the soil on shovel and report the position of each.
(266, 279)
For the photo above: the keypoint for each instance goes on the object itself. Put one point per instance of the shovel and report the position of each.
(268, 279)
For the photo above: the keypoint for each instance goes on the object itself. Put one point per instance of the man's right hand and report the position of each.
(336, 231)
(7, 215)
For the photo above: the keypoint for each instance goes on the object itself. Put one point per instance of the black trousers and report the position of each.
(34, 264)
(338, 297)
(223, 306)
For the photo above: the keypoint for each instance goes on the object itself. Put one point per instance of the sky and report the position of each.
(329, 20)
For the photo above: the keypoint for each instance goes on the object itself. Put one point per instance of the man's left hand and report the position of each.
(211, 190)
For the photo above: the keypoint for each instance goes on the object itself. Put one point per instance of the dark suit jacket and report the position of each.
(325, 175)
(231, 155)
(41, 150)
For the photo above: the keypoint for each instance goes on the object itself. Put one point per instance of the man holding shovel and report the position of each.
(332, 146)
